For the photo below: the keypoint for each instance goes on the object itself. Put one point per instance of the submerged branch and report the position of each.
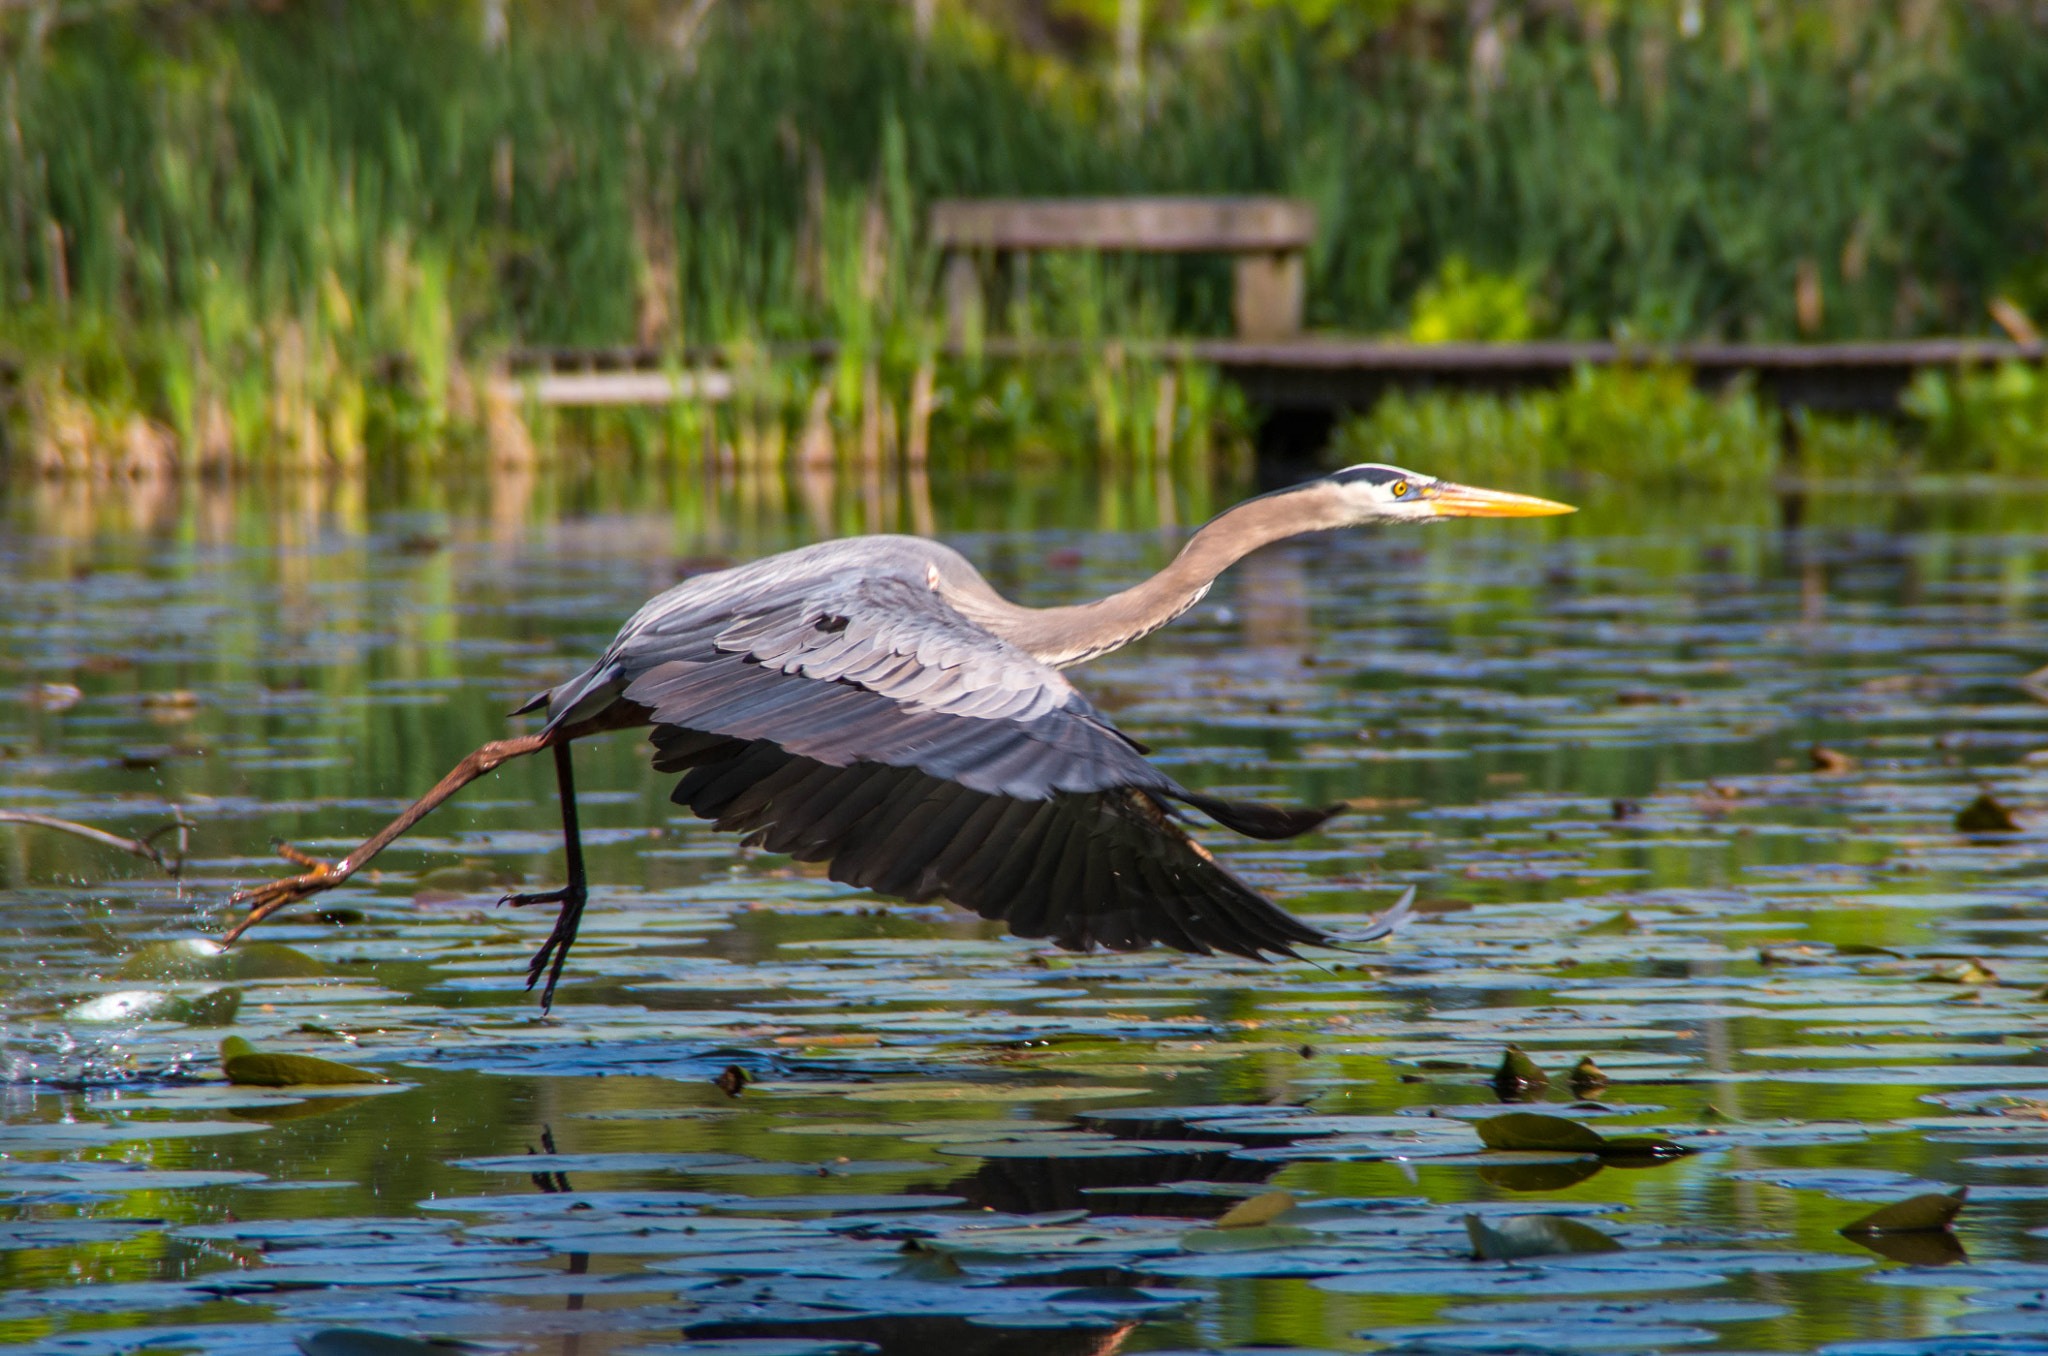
(144, 847)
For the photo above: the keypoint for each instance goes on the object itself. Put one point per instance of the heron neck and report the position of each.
(1061, 636)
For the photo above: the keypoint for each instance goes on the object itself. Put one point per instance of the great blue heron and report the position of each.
(875, 704)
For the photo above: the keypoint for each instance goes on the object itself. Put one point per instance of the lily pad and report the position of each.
(365, 1342)
(1257, 1210)
(1525, 1130)
(984, 1092)
(1495, 1278)
(245, 1065)
(1518, 1078)
(1249, 1238)
(1915, 1214)
(1505, 1238)
(1528, 1131)
(1986, 815)
(198, 958)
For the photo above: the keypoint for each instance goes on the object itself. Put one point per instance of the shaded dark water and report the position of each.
(1585, 741)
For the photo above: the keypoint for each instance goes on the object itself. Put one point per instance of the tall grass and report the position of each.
(303, 237)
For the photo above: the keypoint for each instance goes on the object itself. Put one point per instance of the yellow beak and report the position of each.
(1466, 501)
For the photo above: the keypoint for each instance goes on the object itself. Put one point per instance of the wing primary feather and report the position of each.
(1112, 920)
(1173, 904)
(796, 814)
(974, 835)
(1061, 892)
(677, 750)
(933, 838)
(781, 793)
(909, 847)
(709, 788)
(860, 850)
(1024, 884)
(860, 790)
(1015, 838)
(725, 783)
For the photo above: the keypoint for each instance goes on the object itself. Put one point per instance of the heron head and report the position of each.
(1375, 492)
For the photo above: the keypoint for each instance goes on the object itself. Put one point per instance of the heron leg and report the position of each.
(571, 896)
(268, 899)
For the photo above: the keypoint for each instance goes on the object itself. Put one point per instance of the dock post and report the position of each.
(1267, 299)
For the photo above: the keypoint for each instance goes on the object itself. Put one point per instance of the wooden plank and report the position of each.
(1332, 374)
(1347, 374)
(1230, 225)
(1372, 354)
(615, 388)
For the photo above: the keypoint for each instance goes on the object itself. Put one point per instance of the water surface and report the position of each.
(1585, 742)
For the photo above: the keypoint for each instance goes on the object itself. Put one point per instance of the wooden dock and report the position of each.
(1333, 374)
(1323, 376)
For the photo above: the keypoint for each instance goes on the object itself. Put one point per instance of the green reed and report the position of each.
(309, 238)
(1629, 427)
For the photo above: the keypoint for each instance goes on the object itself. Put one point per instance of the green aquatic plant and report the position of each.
(1460, 303)
(310, 237)
(1616, 424)
(1983, 419)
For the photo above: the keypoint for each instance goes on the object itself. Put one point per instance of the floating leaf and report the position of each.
(186, 958)
(1971, 971)
(1524, 1130)
(469, 875)
(1479, 1278)
(986, 1092)
(1587, 1077)
(1504, 1238)
(1527, 1130)
(1255, 1210)
(218, 1008)
(363, 1342)
(1518, 1076)
(1830, 761)
(1622, 924)
(1985, 815)
(135, 1005)
(1253, 1238)
(1915, 1214)
(247, 1066)
(198, 958)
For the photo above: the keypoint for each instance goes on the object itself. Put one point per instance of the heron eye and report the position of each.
(1400, 488)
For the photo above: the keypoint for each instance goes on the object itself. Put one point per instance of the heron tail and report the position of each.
(1254, 820)
(1381, 924)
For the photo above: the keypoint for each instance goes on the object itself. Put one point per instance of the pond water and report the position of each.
(1585, 742)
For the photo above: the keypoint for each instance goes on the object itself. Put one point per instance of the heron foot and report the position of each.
(267, 899)
(554, 952)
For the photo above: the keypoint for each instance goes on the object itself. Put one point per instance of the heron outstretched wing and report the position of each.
(866, 723)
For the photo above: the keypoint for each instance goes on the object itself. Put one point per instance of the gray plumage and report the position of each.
(874, 704)
(836, 703)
